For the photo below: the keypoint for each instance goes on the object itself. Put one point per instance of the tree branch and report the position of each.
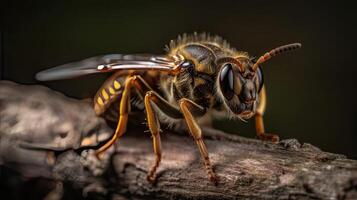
(247, 168)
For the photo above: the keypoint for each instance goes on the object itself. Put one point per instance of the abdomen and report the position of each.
(111, 91)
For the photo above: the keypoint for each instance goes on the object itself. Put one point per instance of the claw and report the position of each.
(269, 137)
(213, 178)
(151, 179)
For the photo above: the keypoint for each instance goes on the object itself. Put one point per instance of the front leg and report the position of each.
(259, 123)
(188, 107)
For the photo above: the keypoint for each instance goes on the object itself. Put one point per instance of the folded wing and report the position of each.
(109, 63)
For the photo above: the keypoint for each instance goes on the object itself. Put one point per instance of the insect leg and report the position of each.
(188, 107)
(154, 126)
(259, 123)
(149, 97)
(124, 109)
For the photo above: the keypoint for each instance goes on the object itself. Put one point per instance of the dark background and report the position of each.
(311, 92)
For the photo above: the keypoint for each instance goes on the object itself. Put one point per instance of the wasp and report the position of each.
(199, 75)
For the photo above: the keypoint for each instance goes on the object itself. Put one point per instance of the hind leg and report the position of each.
(124, 109)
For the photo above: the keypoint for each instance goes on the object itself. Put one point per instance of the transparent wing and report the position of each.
(108, 63)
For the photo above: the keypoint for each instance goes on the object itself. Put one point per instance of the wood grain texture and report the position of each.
(247, 168)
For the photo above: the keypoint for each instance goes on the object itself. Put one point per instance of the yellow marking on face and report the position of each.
(111, 90)
(100, 101)
(116, 85)
(105, 94)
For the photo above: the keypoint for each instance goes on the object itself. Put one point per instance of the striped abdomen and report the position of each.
(110, 91)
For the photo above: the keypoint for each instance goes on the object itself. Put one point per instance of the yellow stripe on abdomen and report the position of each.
(100, 101)
(105, 94)
(108, 93)
(111, 90)
(116, 85)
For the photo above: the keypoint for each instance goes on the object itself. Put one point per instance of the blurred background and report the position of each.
(311, 92)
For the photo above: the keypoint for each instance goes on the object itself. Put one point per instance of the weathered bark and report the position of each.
(247, 168)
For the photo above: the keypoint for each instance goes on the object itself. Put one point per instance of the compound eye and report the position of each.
(226, 81)
(187, 64)
(260, 78)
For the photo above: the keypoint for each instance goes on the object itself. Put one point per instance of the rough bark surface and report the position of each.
(247, 168)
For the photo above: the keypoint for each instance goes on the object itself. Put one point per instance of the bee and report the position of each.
(199, 75)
